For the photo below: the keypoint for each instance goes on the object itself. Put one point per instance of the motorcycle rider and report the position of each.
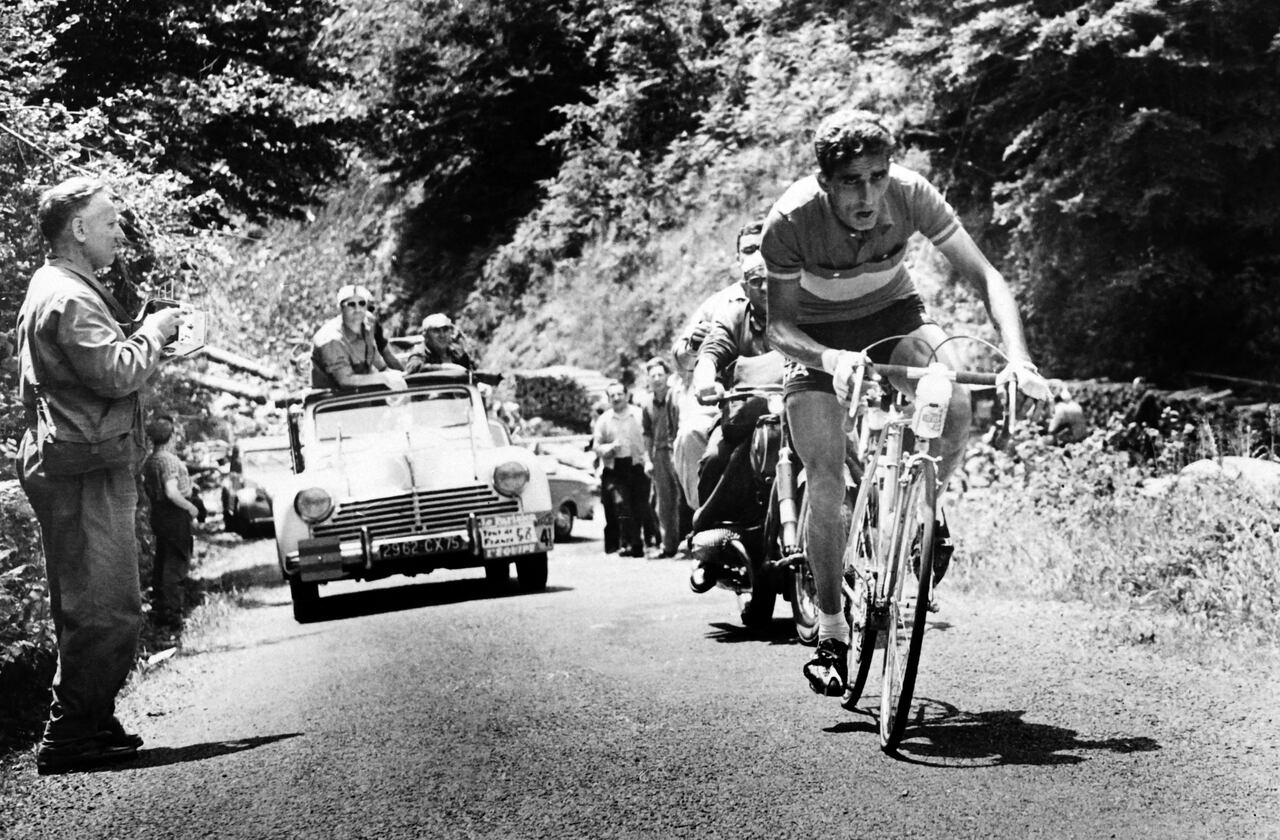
(697, 420)
(735, 349)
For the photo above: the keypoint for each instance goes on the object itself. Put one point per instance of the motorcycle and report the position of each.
(746, 536)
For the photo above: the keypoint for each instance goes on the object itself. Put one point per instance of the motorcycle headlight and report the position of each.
(313, 504)
(510, 478)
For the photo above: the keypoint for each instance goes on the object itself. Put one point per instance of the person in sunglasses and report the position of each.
(441, 347)
(344, 353)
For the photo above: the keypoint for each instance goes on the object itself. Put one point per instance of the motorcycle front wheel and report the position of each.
(757, 608)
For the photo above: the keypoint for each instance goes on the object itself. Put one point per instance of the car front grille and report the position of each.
(415, 512)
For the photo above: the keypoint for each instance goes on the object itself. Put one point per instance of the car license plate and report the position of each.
(422, 545)
(510, 534)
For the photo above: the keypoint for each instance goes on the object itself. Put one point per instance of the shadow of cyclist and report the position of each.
(940, 735)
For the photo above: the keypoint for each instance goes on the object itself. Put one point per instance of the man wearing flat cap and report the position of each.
(344, 353)
(440, 349)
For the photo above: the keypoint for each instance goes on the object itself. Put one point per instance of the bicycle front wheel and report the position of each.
(908, 603)
(861, 563)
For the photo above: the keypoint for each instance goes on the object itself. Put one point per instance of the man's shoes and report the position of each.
(631, 552)
(828, 671)
(82, 753)
(114, 733)
(703, 577)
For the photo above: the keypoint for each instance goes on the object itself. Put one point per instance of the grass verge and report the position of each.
(1181, 559)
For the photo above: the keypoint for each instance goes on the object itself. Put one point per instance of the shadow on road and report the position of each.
(414, 596)
(940, 735)
(780, 631)
(163, 756)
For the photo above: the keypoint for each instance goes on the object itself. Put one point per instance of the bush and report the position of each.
(560, 399)
(27, 652)
(1076, 522)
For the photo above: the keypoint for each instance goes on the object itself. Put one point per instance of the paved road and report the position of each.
(618, 704)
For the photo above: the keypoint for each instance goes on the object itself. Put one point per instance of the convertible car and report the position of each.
(406, 482)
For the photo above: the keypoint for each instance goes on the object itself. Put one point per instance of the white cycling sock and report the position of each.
(833, 626)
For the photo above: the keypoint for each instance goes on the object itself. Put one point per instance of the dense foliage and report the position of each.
(1128, 149)
(231, 95)
(493, 99)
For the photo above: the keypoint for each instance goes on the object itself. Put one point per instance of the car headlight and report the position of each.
(510, 478)
(313, 504)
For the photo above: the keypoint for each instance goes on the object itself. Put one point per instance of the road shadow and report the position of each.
(941, 735)
(164, 756)
(779, 631)
(416, 596)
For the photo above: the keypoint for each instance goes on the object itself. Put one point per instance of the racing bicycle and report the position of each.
(889, 557)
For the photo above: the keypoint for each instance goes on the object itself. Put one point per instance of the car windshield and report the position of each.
(264, 461)
(442, 413)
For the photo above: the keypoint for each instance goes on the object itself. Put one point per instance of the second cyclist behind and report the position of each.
(834, 244)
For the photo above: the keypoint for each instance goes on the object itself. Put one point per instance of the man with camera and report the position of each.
(81, 365)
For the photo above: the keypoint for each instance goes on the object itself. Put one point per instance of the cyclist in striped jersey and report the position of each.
(835, 245)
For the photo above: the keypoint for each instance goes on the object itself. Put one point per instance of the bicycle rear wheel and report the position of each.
(804, 592)
(908, 604)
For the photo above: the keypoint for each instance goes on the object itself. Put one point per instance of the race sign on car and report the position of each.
(507, 535)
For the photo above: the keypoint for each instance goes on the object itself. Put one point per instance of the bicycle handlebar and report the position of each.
(740, 394)
(962, 377)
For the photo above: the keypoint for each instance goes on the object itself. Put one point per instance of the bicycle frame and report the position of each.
(888, 466)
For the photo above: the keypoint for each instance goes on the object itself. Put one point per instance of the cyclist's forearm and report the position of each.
(795, 344)
(1003, 310)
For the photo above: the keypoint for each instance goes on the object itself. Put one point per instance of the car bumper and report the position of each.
(485, 539)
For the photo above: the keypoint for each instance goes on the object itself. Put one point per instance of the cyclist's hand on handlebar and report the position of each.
(1028, 379)
(841, 364)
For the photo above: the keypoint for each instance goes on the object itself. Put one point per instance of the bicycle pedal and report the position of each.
(793, 557)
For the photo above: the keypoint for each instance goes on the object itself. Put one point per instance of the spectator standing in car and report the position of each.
(618, 440)
(168, 486)
(344, 351)
(441, 347)
(81, 366)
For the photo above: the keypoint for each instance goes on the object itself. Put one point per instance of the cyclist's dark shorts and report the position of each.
(899, 318)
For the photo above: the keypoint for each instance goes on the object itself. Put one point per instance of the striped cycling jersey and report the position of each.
(844, 273)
